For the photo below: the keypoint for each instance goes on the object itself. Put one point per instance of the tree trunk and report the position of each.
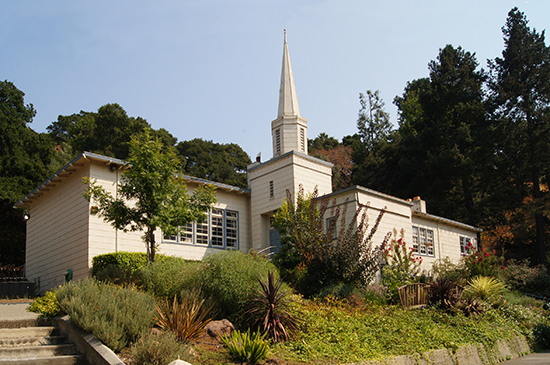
(151, 244)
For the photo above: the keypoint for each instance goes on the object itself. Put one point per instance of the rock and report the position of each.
(179, 362)
(217, 328)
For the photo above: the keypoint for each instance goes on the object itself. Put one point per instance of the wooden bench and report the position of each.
(414, 295)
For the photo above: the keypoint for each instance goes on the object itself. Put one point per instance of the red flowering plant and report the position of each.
(402, 265)
(482, 262)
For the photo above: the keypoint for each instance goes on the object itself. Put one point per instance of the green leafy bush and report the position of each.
(230, 277)
(116, 316)
(47, 305)
(448, 269)
(377, 294)
(158, 349)
(246, 347)
(128, 262)
(483, 263)
(169, 276)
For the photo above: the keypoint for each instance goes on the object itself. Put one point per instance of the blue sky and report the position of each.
(210, 69)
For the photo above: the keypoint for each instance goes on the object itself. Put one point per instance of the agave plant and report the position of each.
(444, 293)
(186, 319)
(270, 310)
(484, 287)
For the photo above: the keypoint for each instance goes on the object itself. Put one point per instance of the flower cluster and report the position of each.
(482, 262)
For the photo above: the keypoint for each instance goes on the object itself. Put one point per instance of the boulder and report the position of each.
(218, 328)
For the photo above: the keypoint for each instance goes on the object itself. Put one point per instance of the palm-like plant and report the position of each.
(270, 309)
(445, 293)
(484, 287)
(186, 319)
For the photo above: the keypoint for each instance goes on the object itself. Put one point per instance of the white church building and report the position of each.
(64, 233)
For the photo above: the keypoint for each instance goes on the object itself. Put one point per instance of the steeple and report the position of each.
(288, 99)
(289, 130)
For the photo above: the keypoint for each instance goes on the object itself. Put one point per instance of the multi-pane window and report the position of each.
(467, 245)
(221, 229)
(423, 241)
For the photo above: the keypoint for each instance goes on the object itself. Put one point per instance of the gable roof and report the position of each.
(78, 162)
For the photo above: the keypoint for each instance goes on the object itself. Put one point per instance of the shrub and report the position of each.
(47, 306)
(444, 294)
(246, 347)
(270, 310)
(482, 263)
(158, 349)
(315, 258)
(402, 266)
(128, 262)
(526, 279)
(377, 294)
(484, 288)
(186, 319)
(230, 277)
(170, 276)
(116, 316)
(448, 269)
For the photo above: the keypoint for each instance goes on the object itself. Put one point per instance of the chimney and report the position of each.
(419, 205)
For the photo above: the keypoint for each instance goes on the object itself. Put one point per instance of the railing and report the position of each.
(12, 273)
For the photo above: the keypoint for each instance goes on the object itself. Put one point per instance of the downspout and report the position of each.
(439, 241)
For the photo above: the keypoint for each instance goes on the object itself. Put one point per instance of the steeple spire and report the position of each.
(289, 130)
(288, 99)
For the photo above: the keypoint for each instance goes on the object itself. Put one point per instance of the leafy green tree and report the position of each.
(24, 154)
(520, 86)
(159, 199)
(13, 234)
(322, 142)
(331, 150)
(107, 131)
(225, 163)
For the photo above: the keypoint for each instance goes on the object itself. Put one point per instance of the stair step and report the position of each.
(57, 360)
(26, 332)
(37, 351)
(31, 341)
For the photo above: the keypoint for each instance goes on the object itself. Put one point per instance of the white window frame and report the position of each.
(423, 241)
(219, 230)
(464, 240)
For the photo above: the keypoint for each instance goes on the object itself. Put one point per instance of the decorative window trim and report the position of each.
(423, 241)
(219, 230)
(303, 140)
(278, 142)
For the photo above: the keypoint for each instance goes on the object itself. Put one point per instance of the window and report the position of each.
(278, 142)
(271, 190)
(221, 229)
(303, 140)
(467, 245)
(423, 241)
(331, 225)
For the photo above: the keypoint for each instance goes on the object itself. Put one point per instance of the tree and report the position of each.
(225, 163)
(24, 154)
(520, 93)
(444, 135)
(373, 122)
(13, 234)
(107, 131)
(329, 149)
(151, 195)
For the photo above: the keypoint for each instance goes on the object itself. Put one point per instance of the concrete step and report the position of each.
(26, 332)
(37, 351)
(57, 360)
(31, 341)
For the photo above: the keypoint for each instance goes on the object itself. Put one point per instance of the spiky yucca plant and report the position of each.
(484, 287)
(270, 309)
(186, 319)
